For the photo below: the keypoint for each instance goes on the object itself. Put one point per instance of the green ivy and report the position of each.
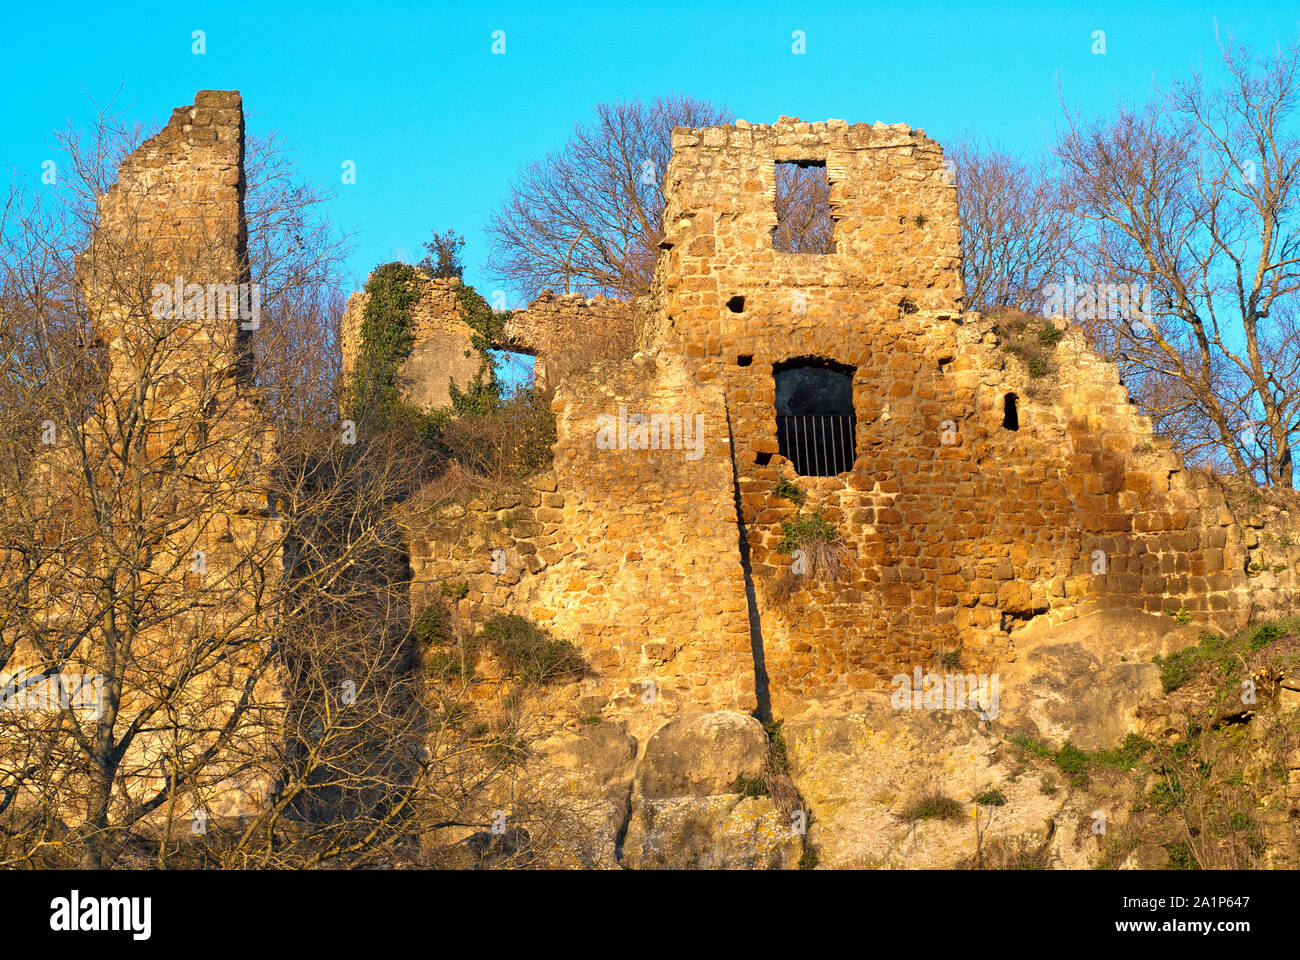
(386, 339)
(484, 390)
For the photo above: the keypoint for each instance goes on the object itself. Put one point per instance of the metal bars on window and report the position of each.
(819, 445)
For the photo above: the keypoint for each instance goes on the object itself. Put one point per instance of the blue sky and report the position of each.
(437, 124)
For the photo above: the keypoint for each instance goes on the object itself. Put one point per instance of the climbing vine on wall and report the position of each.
(386, 340)
(487, 430)
(483, 392)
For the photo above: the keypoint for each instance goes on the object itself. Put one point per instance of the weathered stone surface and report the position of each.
(168, 290)
(587, 776)
(483, 850)
(962, 525)
(1084, 681)
(1114, 636)
(860, 773)
(569, 333)
(1147, 856)
(442, 351)
(701, 755)
(727, 832)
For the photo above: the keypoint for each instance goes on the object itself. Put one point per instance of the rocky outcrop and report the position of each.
(588, 775)
(701, 755)
(725, 832)
(865, 775)
(1084, 681)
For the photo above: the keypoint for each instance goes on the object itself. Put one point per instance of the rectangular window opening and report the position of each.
(803, 209)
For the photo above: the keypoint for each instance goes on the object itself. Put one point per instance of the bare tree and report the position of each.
(296, 256)
(1193, 197)
(1016, 229)
(205, 647)
(803, 204)
(588, 217)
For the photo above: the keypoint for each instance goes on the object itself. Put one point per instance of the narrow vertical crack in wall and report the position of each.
(764, 708)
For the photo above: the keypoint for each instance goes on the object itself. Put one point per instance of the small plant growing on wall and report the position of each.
(932, 805)
(528, 652)
(816, 550)
(787, 490)
(824, 548)
(1031, 338)
(433, 625)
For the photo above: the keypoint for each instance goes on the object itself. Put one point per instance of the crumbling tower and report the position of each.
(971, 497)
(159, 497)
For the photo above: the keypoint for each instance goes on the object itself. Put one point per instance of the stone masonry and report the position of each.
(972, 499)
(562, 331)
(444, 350)
(177, 453)
(962, 524)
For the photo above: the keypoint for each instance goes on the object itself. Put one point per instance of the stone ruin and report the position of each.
(973, 498)
(176, 448)
(557, 330)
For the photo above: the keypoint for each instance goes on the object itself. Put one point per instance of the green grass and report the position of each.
(1072, 762)
(433, 625)
(1222, 657)
(1031, 746)
(1076, 763)
(1127, 755)
(1177, 668)
(1166, 794)
(1031, 338)
(1181, 856)
(446, 664)
(777, 756)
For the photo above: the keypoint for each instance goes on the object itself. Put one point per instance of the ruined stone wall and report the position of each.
(959, 529)
(443, 349)
(962, 526)
(1268, 524)
(568, 333)
(176, 214)
(157, 501)
(565, 332)
(630, 552)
